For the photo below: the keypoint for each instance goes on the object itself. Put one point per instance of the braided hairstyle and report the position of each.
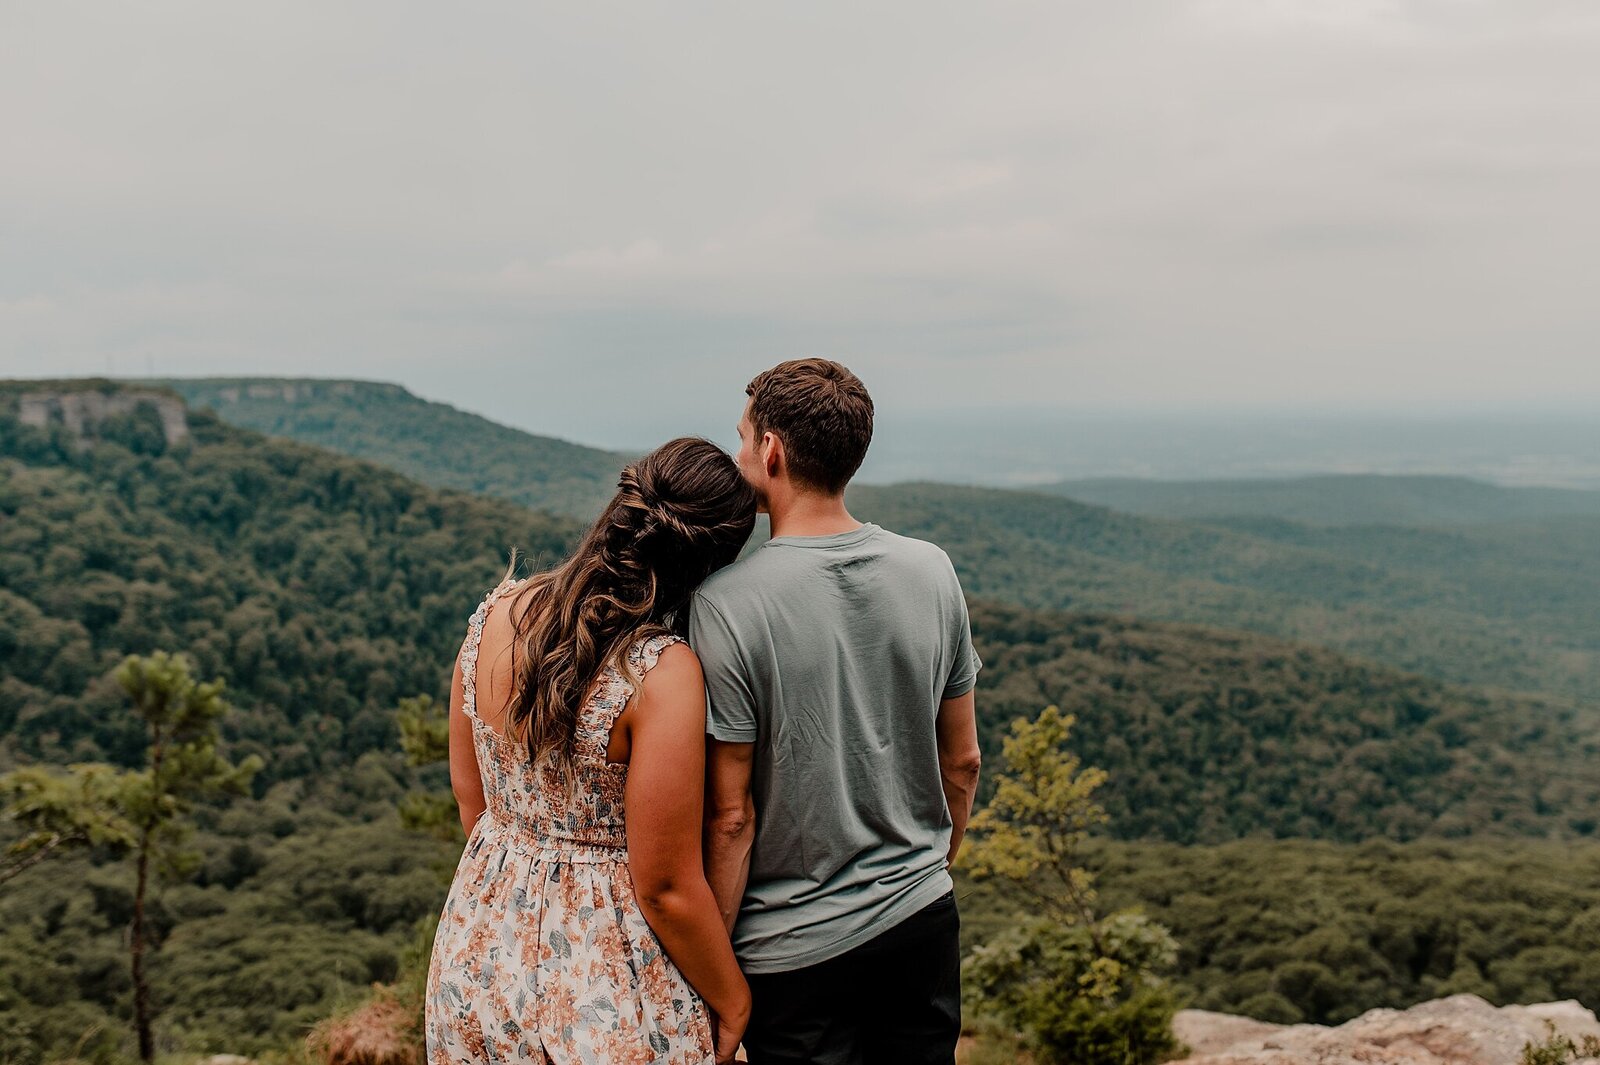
(680, 513)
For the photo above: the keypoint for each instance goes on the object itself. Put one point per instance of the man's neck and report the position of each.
(809, 514)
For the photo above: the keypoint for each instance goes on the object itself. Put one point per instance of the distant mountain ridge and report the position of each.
(1501, 605)
(1336, 499)
(430, 441)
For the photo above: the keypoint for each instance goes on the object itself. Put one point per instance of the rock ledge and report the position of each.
(1458, 1030)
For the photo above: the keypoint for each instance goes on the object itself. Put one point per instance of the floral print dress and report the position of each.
(543, 955)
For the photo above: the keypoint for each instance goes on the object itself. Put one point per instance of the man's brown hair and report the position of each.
(823, 415)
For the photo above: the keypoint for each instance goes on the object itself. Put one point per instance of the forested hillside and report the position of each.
(1507, 605)
(1210, 735)
(1337, 499)
(432, 442)
(302, 899)
(322, 589)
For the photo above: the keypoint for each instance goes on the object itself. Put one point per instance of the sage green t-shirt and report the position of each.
(831, 654)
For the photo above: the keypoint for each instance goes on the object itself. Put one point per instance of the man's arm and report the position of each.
(730, 828)
(959, 759)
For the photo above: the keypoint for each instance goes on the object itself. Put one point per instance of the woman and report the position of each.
(573, 931)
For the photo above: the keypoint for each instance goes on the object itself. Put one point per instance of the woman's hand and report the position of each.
(728, 1032)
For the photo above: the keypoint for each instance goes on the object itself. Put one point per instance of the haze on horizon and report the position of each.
(594, 223)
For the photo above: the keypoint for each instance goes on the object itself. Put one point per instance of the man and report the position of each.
(843, 750)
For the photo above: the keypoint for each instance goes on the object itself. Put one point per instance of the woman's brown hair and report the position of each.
(680, 513)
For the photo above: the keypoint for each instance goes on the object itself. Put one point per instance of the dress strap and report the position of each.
(644, 654)
(614, 692)
(469, 649)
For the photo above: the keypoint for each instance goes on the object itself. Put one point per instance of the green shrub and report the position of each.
(1079, 1001)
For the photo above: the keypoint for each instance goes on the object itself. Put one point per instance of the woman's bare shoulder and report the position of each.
(675, 663)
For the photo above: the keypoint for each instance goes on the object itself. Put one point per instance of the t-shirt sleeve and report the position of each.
(964, 660)
(730, 707)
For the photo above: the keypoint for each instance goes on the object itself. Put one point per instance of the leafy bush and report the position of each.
(1082, 1003)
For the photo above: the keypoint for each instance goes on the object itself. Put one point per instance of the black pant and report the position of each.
(893, 1000)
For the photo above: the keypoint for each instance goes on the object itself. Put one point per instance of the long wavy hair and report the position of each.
(680, 513)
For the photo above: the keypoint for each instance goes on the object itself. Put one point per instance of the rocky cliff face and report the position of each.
(298, 390)
(81, 410)
(1458, 1030)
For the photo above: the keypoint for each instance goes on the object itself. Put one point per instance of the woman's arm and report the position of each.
(464, 779)
(664, 802)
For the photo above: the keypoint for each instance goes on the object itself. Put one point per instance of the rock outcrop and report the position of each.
(295, 391)
(1458, 1030)
(82, 410)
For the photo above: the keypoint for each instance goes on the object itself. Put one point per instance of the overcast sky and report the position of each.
(587, 218)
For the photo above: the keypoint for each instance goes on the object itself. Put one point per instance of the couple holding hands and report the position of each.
(712, 801)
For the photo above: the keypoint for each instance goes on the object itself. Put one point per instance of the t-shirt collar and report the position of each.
(840, 539)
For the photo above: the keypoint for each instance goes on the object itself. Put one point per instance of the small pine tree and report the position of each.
(182, 766)
(58, 811)
(1087, 989)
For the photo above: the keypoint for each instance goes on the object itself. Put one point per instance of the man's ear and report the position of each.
(772, 458)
